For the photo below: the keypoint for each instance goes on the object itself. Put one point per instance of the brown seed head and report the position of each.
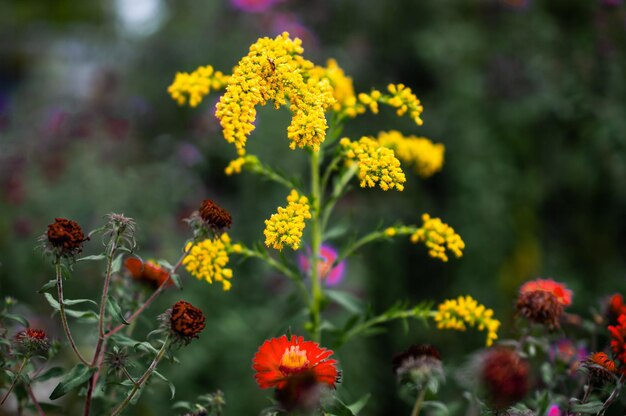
(187, 321)
(215, 216)
(540, 307)
(66, 237)
(505, 376)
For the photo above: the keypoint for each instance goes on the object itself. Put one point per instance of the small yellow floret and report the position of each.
(403, 99)
(390, 232)
(377, 164)
(458, 313)
(425, 156)
(208, 259)
(438, 236)
(196, 85)
(286, 226)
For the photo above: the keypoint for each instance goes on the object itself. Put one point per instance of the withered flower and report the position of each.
(602, 370)
(186, 321)
(32, 342)
(540, 307)
(66, 237)
(419, 365)
(505, 376)
(214, 216)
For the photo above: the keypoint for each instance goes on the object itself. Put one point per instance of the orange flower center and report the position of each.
(293, 360)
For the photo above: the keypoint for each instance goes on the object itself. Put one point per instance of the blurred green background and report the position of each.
(529, 98)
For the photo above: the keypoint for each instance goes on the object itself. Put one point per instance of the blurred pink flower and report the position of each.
(328, 255)
(253, 6)
(553, 410)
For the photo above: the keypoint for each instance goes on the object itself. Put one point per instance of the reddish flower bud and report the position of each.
(186, 320)
(66, 237)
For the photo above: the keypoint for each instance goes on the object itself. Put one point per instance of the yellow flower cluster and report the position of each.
(275, 70)
(235, 166)
(286, 226)
(197, 85)
(458, 313)
(371, 100)
(343, 90)
(404, 100)
(377, 164)
(438, 236)
(208, 259)
(425, 156)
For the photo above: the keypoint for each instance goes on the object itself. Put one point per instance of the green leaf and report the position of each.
(50, 373)
(169, 383)
(95, 257)
(145, 346)
(72, 380)
(67, 302)
(114, 309)
(337, 408)
(357, 406)
(176, 279)
(51, 283)
(116, 265)
(437, 405)
(347, 301)
(588, 408)
(17, 318)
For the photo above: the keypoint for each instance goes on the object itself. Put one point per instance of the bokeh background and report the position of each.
(529, 98)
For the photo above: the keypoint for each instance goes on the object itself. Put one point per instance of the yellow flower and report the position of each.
(390, 232)
(458, 313)
(197, 85)
(208, 259)
(377, 164)
(343, 90)
(286, 226)
(371, 100)
(425, 156)
(404, 101)
(438, 236)
(235, 166)
(275, 70)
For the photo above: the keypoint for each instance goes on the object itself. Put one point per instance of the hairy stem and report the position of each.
(17, 376)
(143, 379)
(151, 299)
(33, 399)
(66, 327)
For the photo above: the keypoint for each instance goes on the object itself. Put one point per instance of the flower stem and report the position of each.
(144, 378)
(614, 394)
(418, 403)
(17, 376)
(66, 327)
(40, 411)
(151, 299)
(316, 237)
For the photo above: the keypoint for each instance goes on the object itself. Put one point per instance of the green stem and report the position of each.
(66, 327)
(418, 403)
(340, 185)
(316, 241)
(143, 379)
(17, 376)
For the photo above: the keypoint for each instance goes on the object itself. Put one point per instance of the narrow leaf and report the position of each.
(95, 257)
(17, 318)
(51, 283)
(115, 310)
(50, 373)
(169, 383)
(346, 300)
(72, 380)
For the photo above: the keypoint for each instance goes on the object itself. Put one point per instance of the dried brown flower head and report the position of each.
(540, 307)
(505, 376)
(214, 216)
(602, 369)
(186, 320)
(66, 237)
(420, 365)
(32, 342)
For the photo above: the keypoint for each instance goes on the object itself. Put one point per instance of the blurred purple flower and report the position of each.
(553, 410)
(289, 22)
(189, 154)
(253, 6)
(566, 352)
(328, 255)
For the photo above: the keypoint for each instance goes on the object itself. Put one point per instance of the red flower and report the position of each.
(618, 338)
(616, 307)
(505, 375)
(147, 272)
(559, 290)
(279, 359)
